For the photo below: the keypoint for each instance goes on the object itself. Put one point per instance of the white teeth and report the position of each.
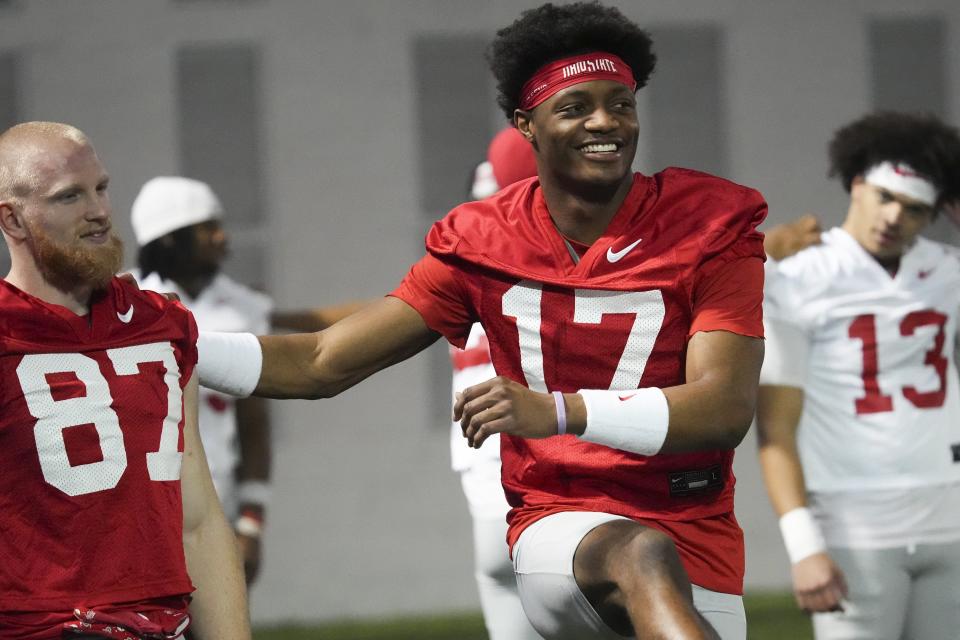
(599, 148)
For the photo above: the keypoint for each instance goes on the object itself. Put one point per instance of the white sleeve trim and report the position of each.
(229, 362)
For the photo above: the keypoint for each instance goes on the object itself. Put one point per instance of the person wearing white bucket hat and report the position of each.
(858, 412)
(182, 245)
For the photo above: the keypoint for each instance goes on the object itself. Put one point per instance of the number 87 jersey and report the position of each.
(680, 256)
(91, 423)
(873, 353)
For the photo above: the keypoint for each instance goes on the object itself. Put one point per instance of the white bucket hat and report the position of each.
(168, 203)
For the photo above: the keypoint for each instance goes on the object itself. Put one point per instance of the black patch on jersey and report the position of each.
(686, 483)
(955, 449)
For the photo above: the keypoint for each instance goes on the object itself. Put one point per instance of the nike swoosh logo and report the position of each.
(625, 398)
(126, 316)
(615, 256)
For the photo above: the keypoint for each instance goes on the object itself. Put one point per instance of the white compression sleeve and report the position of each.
(229, 362)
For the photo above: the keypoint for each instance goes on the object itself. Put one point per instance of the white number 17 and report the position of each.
(522, 302)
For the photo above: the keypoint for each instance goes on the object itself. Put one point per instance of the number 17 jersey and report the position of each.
(680, 256)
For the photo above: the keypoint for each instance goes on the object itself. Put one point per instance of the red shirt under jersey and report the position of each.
(681, 255)
(91, 439)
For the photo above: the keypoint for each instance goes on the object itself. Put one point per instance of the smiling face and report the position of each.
(585, 135)
(67, 216)
(885, 223)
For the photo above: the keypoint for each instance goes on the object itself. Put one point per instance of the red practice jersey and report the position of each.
(91, 441)
(682, 255)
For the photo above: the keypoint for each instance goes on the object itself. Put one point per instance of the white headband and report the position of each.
(903, 179)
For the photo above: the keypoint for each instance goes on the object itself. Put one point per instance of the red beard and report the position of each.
(70, 267)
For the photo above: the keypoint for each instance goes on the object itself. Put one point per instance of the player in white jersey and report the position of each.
(182, 245)
(859, 410)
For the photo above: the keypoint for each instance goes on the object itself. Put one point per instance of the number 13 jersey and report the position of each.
(91, 424)
(681, 255)
(874, 355)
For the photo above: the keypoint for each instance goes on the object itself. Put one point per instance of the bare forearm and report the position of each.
(253, 431)
(219, 605)
(705, 416)
(783, 477)
(700, 418)
(778, 414)
(318, 319)
(712, 411)
(290, 367)
(319, 365)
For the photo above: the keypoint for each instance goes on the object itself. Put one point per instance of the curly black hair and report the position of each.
(550, 32)
(927, 145)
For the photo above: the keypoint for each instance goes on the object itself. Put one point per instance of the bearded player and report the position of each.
(859, 413)
(106, 499)
(623, 313)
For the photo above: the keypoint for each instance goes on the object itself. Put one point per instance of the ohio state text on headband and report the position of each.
(566, 72)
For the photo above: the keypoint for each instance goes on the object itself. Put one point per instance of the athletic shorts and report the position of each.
(554, 604)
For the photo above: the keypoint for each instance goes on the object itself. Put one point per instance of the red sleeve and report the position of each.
(433, 289)
(188, 343)
(729, 297)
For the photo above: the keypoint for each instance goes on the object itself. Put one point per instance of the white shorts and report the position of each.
(554, 604)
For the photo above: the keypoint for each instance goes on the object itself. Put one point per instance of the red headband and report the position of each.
(561, 74)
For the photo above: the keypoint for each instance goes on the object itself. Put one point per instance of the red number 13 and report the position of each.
(864, 329)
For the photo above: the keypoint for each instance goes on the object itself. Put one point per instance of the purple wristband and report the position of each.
(561, 413)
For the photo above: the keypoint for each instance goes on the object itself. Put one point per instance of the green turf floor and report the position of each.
(769, 617)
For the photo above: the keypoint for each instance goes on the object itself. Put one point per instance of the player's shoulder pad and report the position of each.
(722, 191)
(809, 271)
(147, 302)
(720, 215)
(941, 250)
(479, 222)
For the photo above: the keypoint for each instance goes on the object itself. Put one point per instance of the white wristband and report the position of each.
(634, 421)
(254, 492)
(801, 534)
(247, 526)
(229, 362)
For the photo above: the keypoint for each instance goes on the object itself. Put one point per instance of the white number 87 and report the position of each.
(53, 416)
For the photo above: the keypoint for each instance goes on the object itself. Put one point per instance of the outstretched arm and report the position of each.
(315, 365)
(219, 605)
(316, 319)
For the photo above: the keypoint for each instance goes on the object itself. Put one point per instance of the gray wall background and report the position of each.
(350, 133)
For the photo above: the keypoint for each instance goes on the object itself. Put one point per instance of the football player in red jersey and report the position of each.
(105, 495)
(623, 316)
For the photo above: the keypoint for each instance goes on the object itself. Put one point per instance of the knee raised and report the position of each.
(650, 549)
